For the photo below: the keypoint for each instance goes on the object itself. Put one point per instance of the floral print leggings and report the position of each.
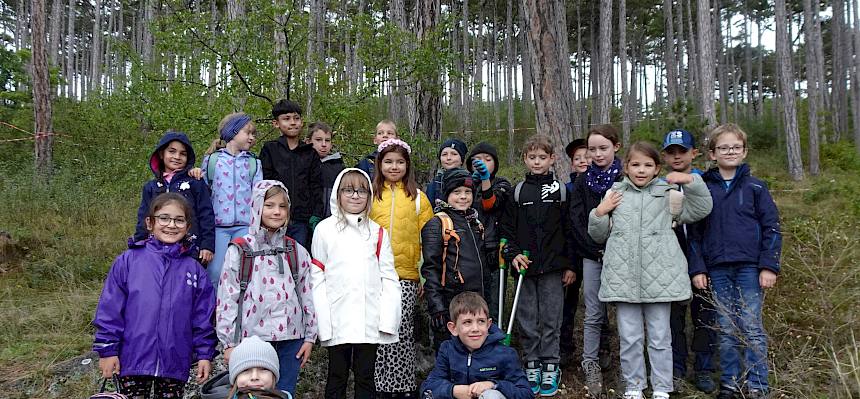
(146, 387)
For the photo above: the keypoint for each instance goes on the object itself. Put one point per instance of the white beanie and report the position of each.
(253, 352)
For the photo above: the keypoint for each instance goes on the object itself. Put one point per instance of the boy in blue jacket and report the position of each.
(474, 363)
(738, 249)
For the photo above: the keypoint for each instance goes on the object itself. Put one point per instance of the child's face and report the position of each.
(729, 151)
(461, 198)
(641, 169)
(472, 329)
(602, 150)
(679, 158)
(256, 378)
(580, 160)
(393, 167)
(321, 142)
(450, 158)
(174, 156)
(289, 124)
(276, 212)
(169, 224)
(353, 200)
(384, 131)
(488, 160)
(538, 161)
(246, 137)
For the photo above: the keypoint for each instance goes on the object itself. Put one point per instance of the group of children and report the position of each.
(220, 261)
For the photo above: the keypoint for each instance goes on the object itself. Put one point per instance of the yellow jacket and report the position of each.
(403, 219)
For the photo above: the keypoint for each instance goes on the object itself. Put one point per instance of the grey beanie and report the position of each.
(253, 352)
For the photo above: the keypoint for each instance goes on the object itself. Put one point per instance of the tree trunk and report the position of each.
(71, 90)
(706, 62)
(429, 122)
(282, 86)
(605, 67)
(840, 83)
(855, 107)
(812, 84)
(213, 59)
(669, 53)
(722, 63)
(528, 90)
(146, 34)
(786, 81)
(546, 29)
(681, 57)
(43, 131)
(693, 88)
(54, 36)
(512, 63)
(478, 69)
(759, 95)
(622, 51)
(747, 64)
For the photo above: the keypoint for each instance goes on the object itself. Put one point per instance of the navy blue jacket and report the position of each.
(202, 231)
(434, 188)
(367, 164)
(743, 226)
(456, 365)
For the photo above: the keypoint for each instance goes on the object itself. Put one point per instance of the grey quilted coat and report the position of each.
(643, 262)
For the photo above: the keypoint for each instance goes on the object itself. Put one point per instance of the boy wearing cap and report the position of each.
(679, 151)
(451, 155)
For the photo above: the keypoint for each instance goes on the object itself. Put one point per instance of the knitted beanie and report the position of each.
(457, 145)
(253, 352)
(484, 148)
(453, 178)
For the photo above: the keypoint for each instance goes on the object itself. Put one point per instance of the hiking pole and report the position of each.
(502, 278)
(507, 341)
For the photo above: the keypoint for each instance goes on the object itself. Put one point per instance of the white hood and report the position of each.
(332, 203)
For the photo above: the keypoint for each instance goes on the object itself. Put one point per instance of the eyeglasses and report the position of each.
(164, 221)
(349, 192)
(724, 149)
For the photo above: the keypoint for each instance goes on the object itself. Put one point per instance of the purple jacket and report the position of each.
(155, 310)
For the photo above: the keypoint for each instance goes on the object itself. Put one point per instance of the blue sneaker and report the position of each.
(533, 374)
(550, 377)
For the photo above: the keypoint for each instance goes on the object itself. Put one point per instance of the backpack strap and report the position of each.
(211, 165)
(448, 231)
(562, 191)
(252, 168)
(246, 268)
(379, 242)
(517, 190)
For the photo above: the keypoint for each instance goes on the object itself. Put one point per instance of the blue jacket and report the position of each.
(232, 186)
(434, 188)
(202, 231)
(367, 164)
(456, 365)
(743, 226)
(154, 311)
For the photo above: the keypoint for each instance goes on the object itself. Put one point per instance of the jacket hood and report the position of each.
(713, 174)
(165, 140)
(331, 157)
(332, 203)
(257, 200)
(484, 148)
(495, 335)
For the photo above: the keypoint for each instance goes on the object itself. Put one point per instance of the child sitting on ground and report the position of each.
(474, 363)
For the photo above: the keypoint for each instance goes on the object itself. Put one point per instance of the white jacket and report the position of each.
(356, 294)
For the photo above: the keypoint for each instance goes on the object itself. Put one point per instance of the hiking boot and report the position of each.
(727, 393)
(633, 395)
(533, 374)
(660, 395)
(705, 383)
(550, 376)
(604, 356)
(593, 377)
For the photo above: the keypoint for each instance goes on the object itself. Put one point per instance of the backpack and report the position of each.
(210, 167)
(448, 232)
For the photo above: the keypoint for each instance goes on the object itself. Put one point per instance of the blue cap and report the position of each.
(679, 137)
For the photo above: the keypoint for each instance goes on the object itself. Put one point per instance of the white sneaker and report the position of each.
(660, 395)
(633, 395)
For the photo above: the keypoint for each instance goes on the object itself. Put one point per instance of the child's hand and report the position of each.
(206, 256)
(204, 367)
(766, 278)
(679, 178)
(227, 354)
(521, 262)
(477, 388)
(481, 168)
(196, 173)
(109, 366)
(700, 281)
(305, 353)
(610, 202)
(568, 278)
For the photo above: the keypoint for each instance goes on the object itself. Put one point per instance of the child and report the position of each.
(489, 202)
(739, 251)
(320, 136)
(276, 303)
(536, 220)
(577, 151)
(169, 163)
(474, 363)
(451, 155)
(297, 166)
(231, 172)
(403, 210)
(588, 190)
(455, 264)
(253, 373)
(154, 312)
(385, 129)
(643, 266)
(679, 151)
(355, 287)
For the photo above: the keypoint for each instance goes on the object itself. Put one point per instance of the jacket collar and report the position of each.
(495, 335)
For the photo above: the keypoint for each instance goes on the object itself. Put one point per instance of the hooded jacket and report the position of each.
(403, 220)
(277, 308)
(202, 230)
(643, 262)
(366, 164)
(490, 204)
(743, 227)
(356, 293)
(299, 170)
(456, 365)
(467, 260)
(232, 186)
(330, 169)
(154, 311)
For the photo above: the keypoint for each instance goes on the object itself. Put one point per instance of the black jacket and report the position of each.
(299, 170)
(494, 199)
(470, 263)
(582, 201)
(539, 224)
(331, 167)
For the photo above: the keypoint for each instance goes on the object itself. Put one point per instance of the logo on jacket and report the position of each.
(547, 189)
(191, 280)
(185, 186)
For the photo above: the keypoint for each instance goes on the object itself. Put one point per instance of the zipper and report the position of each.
(477, 251)
(235, 197)
(469, 367)
(639, 249)
(391, 214)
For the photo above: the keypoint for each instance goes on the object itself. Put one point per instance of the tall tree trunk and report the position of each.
(813, 82)
(723, 61)
(622, 51)
(855, 84)
(581, 125)
(786, 81)
(43, 131)
(465, 59)
(840, 82)
(682, 72)
(213, 59)
(282, 53)
(512, 64)
(705, 61)
(146, 34)
(526, 62)
(747, 64)
(759, 95)
(693, 87)
(478, 71)
(71, 86)
(96, 49)
(605, 70)
(54, 37)
(546, 29)
(669, 53)
(429, 122)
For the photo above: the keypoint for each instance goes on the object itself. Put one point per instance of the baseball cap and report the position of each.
(679, 137)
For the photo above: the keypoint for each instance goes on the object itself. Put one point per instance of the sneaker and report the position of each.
(550, 376)
(533, 374)
(727, 393)
(593, 377)
(633, 395)
(756, 394)
(660, 395)
(604, 356)
(705, 383)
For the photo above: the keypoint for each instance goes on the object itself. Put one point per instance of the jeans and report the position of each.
(223, 236)
(742, 339)
(633, 319)
(299, 231)
(289, 365)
